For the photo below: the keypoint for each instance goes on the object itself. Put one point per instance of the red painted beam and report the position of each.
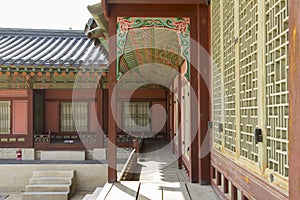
(155, 1)
(294, 99)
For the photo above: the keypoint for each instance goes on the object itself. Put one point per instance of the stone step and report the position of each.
(45, 196)
(50, 180)
(49, 188)
(87, 197)
(62, 155)
(94, 195)
(53, 173)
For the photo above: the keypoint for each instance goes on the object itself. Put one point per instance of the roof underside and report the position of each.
(48, 48)
(151, 54)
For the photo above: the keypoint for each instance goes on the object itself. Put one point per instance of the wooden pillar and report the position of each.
(100, 133)
(225, 185)
(30, 118)
(213, 172)
(219, 178)
(294, 99)
(243, 197)
(112, 101)
(194, 106)
(172, 118)
(135, 145)
(167, 129)
(203, 158)
(233, 195)
(179, 145)
(105, 110)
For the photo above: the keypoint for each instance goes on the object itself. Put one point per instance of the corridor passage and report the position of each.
(157, 177)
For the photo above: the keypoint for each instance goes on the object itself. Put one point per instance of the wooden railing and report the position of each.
(128, 169)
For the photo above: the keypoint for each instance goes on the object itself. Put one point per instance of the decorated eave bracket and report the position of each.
(36, 78)
(179, 25)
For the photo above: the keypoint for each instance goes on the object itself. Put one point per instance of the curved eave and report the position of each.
(87, 68)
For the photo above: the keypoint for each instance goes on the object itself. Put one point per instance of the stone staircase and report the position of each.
(50, 185)
(93, 196)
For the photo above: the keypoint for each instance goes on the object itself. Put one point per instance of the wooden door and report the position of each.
(38, 112)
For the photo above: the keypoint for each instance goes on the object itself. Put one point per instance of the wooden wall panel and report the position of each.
(143, 93)
(52, 116)
(13, 93)
(157, 118)
(58, 94)
(20, 110)
(68, 94)
(93, 120)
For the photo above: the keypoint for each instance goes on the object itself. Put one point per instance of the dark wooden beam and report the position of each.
(150, 10)
(112, 128)
(294, 99)
(105, 7)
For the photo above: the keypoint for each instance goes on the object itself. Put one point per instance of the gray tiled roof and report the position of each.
(45, 48)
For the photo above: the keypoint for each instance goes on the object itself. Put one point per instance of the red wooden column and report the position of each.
(194, 107)
(99, 112)
(172, 118)
(30, 118)
(203, 38)
(112, 128)
(200, 162)
(294, 99)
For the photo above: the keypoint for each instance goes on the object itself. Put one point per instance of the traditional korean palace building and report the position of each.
(218, 80)
(38, 72)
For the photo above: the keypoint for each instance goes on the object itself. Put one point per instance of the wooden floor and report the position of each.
(157, 177)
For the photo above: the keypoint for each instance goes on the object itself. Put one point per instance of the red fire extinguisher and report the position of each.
(19, 154)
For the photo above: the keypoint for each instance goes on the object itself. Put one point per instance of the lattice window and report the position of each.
(5, 112)
(276, 85)
(248, 78)
(70, 115)
(229, 76)
(136, 116)
(217, 81)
